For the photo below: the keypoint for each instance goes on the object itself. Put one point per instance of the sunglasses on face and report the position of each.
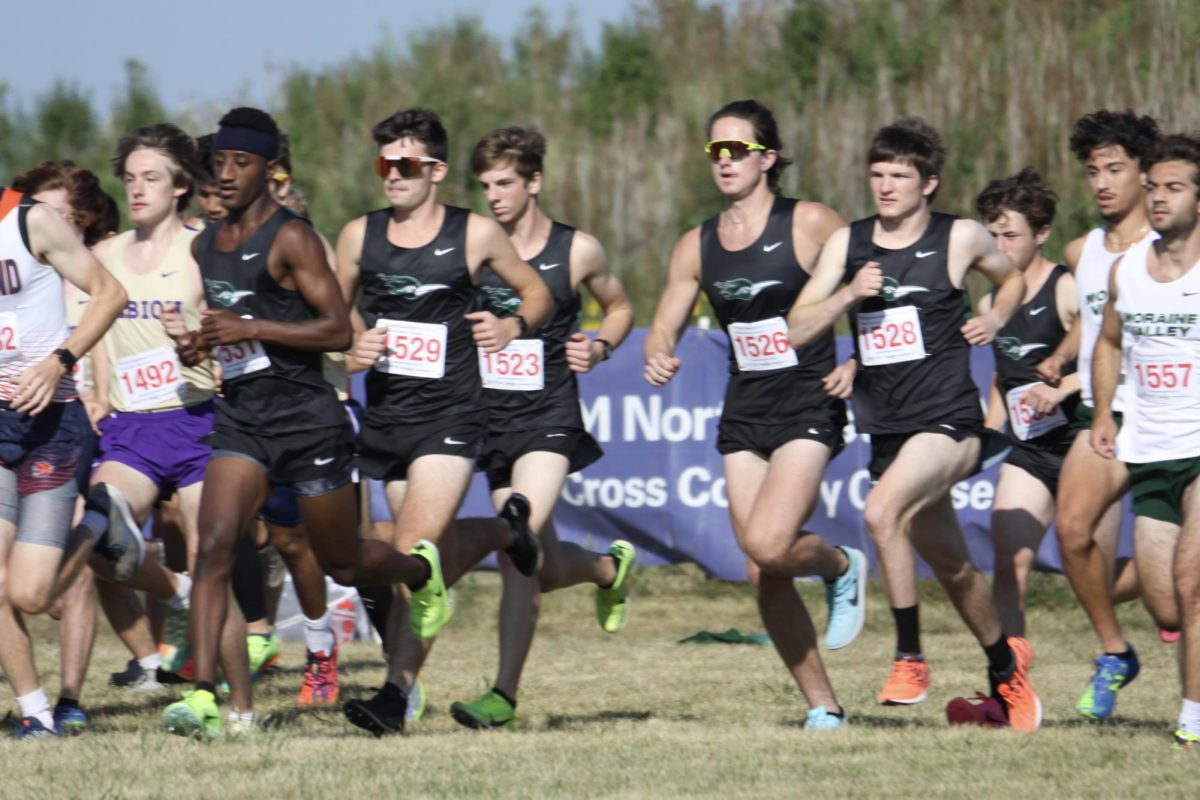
(407, 166)
(733, 149)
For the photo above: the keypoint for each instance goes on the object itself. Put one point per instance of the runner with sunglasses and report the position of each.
(904, 271)
(274, 308)
(412, 269)
(784, 408)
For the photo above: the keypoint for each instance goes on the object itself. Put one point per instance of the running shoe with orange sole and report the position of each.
(320, 686)
(1023, 706)
(907, 683)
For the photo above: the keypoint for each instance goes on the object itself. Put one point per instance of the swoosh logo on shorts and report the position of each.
(452, 440)
(554, 435)
(320, 462)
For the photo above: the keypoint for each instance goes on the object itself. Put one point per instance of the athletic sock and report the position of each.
(1189, 716)
(205, 686)
(151, 662)
(36, 705)
(318, 638)
(377, 600)
(183, 592)
(510, 700)
(247, 581)
(908, 630)
(67, 702)
(1125, 655)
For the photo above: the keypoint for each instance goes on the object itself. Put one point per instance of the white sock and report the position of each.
(183, 592)
(1189, 716)
(36, 705)
(150, 662)
(318, 638)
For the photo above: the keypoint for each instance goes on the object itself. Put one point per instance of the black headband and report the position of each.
(247, 140)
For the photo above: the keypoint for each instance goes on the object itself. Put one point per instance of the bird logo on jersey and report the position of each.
(408, 287)
(892, 290)
(1011, 346)
(223, 292)
(742, 288)
(501, 297)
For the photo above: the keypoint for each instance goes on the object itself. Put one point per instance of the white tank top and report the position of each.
(33, 320)
(1160, 344)
(1091, 282)
(145, 371)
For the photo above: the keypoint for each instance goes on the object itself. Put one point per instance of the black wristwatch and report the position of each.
(606, 348)
(66, 358)
(522, 324)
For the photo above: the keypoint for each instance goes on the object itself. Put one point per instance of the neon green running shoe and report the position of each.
(416, 703)
(196, 715)
(429, 608)
(489, 711)
(175, 649)
(264, 652)
(1186, 740)
(612, 603)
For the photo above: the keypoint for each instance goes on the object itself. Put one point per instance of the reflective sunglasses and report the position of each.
(733, 149)
(408, 166)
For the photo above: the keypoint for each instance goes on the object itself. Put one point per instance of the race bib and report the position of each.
(1026, 422)
(761, 345)
(519, 367)
(890, 336)
(149, 379)
(416, 349)
(1164, 379)
(242, 358)
(10, 340)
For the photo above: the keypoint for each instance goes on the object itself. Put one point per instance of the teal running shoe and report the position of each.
(821, 720)
(847, 599)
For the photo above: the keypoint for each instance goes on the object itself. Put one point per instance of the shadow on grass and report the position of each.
(560, 721)
(1119, 726)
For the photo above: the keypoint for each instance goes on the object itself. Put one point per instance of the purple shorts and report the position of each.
(166, 446)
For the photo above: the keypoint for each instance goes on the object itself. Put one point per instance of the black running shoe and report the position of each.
(135, 678)
(525, 553)
(382, 715)
(121, 545)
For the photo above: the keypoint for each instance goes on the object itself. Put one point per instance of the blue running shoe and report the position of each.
(821, 720)
(32, 728)
(70, 721)
(847, 598)
(1112, 673)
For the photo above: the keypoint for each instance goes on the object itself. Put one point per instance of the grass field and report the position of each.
(638, 715)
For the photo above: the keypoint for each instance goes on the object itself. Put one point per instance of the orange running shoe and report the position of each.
(1021, 701)
(320, 687)
(907, 683)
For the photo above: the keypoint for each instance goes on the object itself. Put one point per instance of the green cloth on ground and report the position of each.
(731, 636)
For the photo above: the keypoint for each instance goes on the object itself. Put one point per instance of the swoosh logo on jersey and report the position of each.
(320, 462)
(452, 440)
(545, 267)
(1185, 294)
(169, 274)
(442, 251)
(742, 288)
(248, 256)
(1033, 312)
(554, 435)
(769, 247)
(925, 253)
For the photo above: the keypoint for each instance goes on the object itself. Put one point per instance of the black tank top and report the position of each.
(556, 405)
(758, 284)
(290, 394)
(1026, 340)
(907, 396)
(430, 285)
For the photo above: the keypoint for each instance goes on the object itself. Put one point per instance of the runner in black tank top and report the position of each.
(410, 270)
(1018, 211)
(299, 437)
(536, 436)
(778, 428)
(904, 270)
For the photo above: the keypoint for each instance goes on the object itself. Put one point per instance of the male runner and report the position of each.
(535, 434)
(44, 432)
(1151, 333)
(1018, 211)
(274, 307)
(417, 263)
(1109, 144)
(904, 270)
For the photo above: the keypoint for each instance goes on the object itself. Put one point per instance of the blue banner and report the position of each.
(661, 486)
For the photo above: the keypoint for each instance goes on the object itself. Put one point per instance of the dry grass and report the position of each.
(638, 715)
